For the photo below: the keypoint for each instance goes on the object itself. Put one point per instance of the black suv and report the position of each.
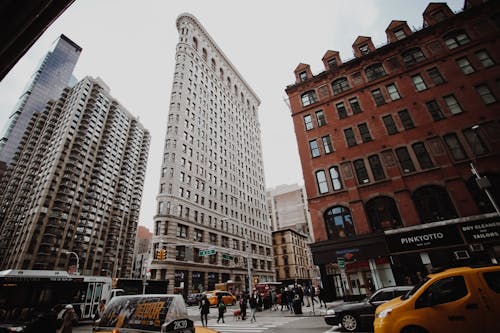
(354, 315)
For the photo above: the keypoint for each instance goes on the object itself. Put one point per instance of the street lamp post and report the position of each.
(482, 182)
(77, 260)
(249, 269)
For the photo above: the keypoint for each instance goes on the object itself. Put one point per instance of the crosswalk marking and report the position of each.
(248, 327)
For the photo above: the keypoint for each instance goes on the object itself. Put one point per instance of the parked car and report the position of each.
(455, 300)
(145, 313)
(194, 299)
(354, 315)
(227, 297)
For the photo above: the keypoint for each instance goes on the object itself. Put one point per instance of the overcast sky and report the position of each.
(131, 45)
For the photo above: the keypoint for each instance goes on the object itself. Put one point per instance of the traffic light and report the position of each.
(160, 254)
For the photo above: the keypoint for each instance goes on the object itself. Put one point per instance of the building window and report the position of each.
(182, 231)
(383, 213)
(455, 147)
(335, 177)
(341, 110)
(465, 65)
(456, 39)
(376, 167)
(308, 122)
(413, 56)
(361, 172)
(422, 155)
(338, 222)
(378, 97)
(406, 120)
(313, 146)
(349, 137)
(327, 144)
(340, 85)
(374, 72)
(390, 125)
(399, 34)
(484, 58)
(355, 107)
(475, 142)
(332, 63)
(180, 253)
(364, 49)
(309, 98)
(303, 76)
(434, 110)
(435, 76)
(433, 204)
(320, 118)
(486, 94)
(364, 132)
(419, 82)
(198, 235)
(452, 104)
(321, 181)
(393, 92)
(405, 160)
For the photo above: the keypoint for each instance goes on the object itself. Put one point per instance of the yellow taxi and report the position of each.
(227, 297)
(455, 300)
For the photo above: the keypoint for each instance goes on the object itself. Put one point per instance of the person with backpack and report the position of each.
(204, 310)
(222, 309)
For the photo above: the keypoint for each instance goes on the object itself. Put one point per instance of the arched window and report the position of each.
(213, 64)
(205, 55)
(221, 73)
(340, 85)
(482, 201)
(338, 222)
(228, 81)
(309, 97)
(383, 213)
(374, 71)
(413, 56)
(433, 204)
(195, 43)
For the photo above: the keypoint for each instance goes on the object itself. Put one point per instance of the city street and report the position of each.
(267, 322)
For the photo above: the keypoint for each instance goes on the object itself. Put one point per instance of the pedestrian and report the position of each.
(100, 309)
(254, 301)
(321, 296)
(204, 310)
(243, 306)
(222, 309)
(67, 316)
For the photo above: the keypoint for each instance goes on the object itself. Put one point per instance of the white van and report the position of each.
(163, 313)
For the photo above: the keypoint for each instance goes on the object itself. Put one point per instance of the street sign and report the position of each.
(341, 262)
(227, 256)
(208, 252)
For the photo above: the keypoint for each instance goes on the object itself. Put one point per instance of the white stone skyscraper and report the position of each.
(75, 185)
(212, 190)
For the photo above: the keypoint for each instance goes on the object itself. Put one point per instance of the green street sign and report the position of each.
(227, 256)
(209, 252)
(341, 262)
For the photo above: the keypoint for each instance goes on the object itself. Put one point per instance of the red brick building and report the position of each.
(386, 142)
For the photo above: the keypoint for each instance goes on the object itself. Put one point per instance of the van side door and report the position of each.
(444, 306)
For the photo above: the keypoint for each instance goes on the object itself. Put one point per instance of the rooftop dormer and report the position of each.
(331, 60)
(302, 73)
(436, 12)
(362, 45)
(397, 30)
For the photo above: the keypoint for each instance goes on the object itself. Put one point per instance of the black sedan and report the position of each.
(355, 315)
(194, 299)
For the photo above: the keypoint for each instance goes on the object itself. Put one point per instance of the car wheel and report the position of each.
(413, 329)
(349, 322)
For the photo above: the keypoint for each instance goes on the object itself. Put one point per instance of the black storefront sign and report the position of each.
(424, 238)
(481, 231)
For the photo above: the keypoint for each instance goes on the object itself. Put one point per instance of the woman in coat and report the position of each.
(204, 310)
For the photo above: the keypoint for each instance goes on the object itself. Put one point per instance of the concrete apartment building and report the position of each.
(211, 191)
(75, 185)
(386, 142)
(48, 81)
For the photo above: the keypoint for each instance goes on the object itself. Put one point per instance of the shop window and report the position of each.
(433, 204)
(338, 222)
(383, 213)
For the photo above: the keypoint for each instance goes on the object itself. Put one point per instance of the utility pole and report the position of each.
(249, 269)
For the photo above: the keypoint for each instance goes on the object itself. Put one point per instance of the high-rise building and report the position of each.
(142, 251)
(73, 192)
(395, 145)
(51, 77)
(211, 192)
(287, 208)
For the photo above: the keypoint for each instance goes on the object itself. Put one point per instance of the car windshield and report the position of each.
(414, 290)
